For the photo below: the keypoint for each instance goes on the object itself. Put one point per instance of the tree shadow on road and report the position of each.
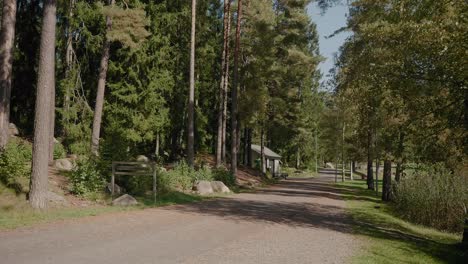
(267, 206)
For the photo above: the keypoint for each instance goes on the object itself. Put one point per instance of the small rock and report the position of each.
(56, 141)
(125, 200)
(73, 157)
(117, 189)
(219, 187)
(203, 187)
(63, 164)
(13, 130)
(56, 199)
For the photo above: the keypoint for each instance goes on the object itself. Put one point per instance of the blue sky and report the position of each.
(333, 19)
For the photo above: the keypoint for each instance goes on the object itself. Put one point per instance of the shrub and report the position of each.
(15, 161)
(182, 177)
(59, 151)
(433, 196)
(86, 178)
(221, 174)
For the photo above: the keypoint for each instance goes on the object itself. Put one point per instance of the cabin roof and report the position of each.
(268, 152)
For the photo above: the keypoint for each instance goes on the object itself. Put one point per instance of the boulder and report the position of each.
(125, 200)
(219, 187)
(56, 141)
(142, 158)
(13, 130)
(203, 187)
(329, 165)
(56, 199)
(63, 164)
(117, 189)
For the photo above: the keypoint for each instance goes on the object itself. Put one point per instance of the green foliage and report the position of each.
(85, 178)
(433, 196)
(15, 161)
(390, 238)
(221, 174)
(182, 177)
(59, 151)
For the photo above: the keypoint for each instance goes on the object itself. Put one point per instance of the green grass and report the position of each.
(15, 211)
(389, 239)
(302, 173)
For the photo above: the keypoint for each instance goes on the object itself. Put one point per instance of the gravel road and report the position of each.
(295, 221)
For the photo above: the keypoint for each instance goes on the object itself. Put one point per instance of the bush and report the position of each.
(433, 196)
(86, 178)
(15, 161)
(221, 174)
(182, 177)
(59, 151)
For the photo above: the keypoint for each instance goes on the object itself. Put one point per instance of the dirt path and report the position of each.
(296, 221)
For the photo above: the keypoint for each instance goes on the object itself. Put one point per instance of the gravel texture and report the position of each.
(295, 221)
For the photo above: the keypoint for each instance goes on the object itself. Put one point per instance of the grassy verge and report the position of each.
(390, 239)
(294, 173)
(15, 211)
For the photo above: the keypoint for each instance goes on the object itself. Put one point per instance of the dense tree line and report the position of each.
(112, 78)
(400, 89)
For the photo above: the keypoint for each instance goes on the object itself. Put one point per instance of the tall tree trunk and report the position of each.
(370, 160)
(387, 181)
(69, 62)
(249, 147)
(399, 168)
(316, 151)
(377, 170)
(52, 125)
(262, 151)
(224, 73)
(226, 87)
(45, 84)
(191, 106)
(156, 149)
(7, 37)
(343, 166)
(298, 158)
(100, 90)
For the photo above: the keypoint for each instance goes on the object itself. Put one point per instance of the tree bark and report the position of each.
(387, 181)
(262, 152)
(45, 84)
(52, 125)
(399, 168)
(7, 37)
(100, 90)
(249, 147)
(377, 169)
(370, 172)
(226, 87)
(298, 158)
(221, 103)
(343, 166)
(69, 62)
(191, 102)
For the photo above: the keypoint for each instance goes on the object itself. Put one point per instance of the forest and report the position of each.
(179, 80)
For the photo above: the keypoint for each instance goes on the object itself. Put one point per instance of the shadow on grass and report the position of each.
(378, 220)
(267, 206)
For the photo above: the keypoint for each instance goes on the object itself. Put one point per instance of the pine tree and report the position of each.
(101, 89)
(45, 86)
(235, 89)
(6, 59)
(191, 101)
